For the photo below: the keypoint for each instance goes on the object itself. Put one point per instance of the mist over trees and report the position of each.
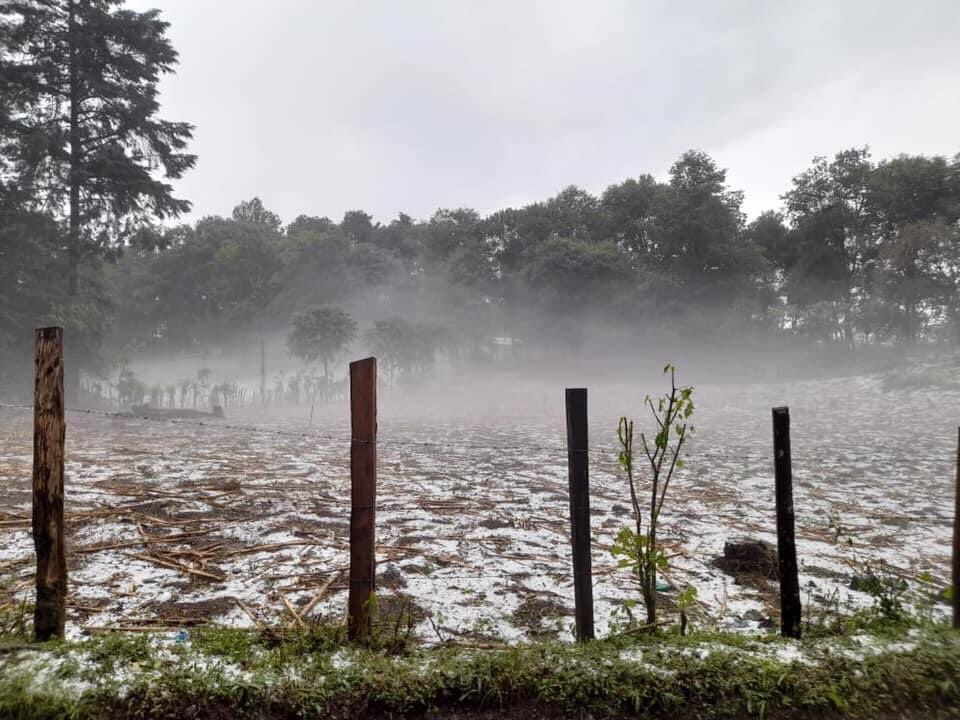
(862, 251)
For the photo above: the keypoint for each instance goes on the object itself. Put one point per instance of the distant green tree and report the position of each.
(372, 265)
(514, 233)
(573, 213)
(253, 211)
(320, 265)
(771, 235)
(305, 226)
(211, 281)
(566, 274)
(357, 226)
(913, 188)
(314, 267)
(829, 211)
(456, 248)
(321, 334)
(914, 202)
(245, 263)
(570, 282)
(400, 345)
(451, 230)
(700, 239)
(918, 273)
(868, 246)
(401, 238)
(386, 340)
(630, 215)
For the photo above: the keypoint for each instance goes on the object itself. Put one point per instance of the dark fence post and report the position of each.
(786, 542)
(956, 543)
(577, 462)
(363, 494)
(49, 431)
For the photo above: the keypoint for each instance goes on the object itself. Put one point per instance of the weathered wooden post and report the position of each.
(956, 542)
(578, 465)
(49, 432)
(363, 494)
(786, 542)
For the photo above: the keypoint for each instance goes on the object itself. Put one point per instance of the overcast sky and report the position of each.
(407, 105)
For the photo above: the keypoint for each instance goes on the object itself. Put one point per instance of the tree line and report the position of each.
(862, 250)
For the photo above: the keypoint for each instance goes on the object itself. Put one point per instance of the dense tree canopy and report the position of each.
(80, 132)
(861, 251)
(83, 156)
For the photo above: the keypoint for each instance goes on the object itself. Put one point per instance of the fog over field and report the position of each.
(223, 210)
(473, 510)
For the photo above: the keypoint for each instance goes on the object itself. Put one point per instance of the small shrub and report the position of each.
(637, 547)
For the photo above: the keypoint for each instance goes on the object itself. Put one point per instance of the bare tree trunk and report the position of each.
(912, 320)
(72, 389)
(848, 327)
(75, 149)
(326, 381)
(263, 371)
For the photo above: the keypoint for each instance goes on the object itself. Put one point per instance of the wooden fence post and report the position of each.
(578, 465)
(786, 542)
(49, 431)
(956, 542)
(363, 494)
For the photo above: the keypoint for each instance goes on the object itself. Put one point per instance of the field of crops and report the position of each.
(244, 521)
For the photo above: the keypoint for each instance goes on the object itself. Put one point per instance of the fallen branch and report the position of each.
(292, 611)
(129, 628)
(264, 548)
(178, 566)
(308, 608)
(145, 540)
(249, 613)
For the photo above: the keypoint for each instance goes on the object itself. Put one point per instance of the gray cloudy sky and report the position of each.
(410, 105)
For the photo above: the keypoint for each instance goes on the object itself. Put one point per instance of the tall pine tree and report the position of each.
(80, 129)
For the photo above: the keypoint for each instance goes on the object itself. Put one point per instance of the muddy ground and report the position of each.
(245, 520)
